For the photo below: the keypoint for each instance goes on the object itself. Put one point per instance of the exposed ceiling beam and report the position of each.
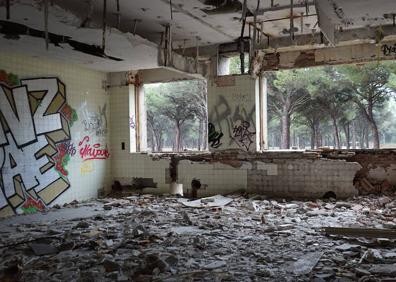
(305, 41)
(184, 11)
(326, 25)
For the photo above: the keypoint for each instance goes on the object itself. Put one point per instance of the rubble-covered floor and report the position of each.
(151, 238)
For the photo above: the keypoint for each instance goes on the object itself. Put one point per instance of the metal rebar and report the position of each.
(118, 14)
(291, 20)
(8, 9)
(171, 10)
(104, 24)
(134, 26)
(46, 24)
(196, 54)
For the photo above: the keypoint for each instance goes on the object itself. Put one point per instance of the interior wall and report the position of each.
(56, 128)
(129, 168)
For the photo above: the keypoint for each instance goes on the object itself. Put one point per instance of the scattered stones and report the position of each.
(306, 263)
(215, 264)
(110, 265)
(139, 230)
(82, 224)
(384, 269)
(150, 238)
(41, 249)
(348, 247)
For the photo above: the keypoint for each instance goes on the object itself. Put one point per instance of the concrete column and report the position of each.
(263, 109)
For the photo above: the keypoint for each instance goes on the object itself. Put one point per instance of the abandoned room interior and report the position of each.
(198, 140)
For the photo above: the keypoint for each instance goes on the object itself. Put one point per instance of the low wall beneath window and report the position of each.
(276, 174)
(378, 167)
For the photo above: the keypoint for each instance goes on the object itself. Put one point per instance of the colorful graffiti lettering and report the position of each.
(92, 152)
(87, 167)
(33, 125)
(70, 114)
(8, 79)
(65, 151)
(32, 205)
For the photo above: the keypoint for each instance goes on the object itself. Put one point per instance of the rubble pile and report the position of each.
(152, 238)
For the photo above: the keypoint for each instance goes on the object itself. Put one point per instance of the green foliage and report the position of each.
(235, 64)
(343, 103)
(175, 108)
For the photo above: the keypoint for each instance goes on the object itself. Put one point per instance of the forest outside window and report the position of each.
(176, 116)
(340, 107)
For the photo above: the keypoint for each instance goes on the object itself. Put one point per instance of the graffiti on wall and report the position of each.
(243, 135)
(132, 123)
(35, 122)
(87, 167)
(214, 137)
(95, 122)
(231, 121)
(9, 79)
(389, 50)
(89, 151)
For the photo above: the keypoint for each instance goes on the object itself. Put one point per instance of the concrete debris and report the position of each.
(215, 201)
(384, 269)
(40, 249)
(152, 238)
(362, 232)
(306, 263)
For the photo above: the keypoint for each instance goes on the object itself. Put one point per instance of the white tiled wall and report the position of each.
(126, 165)
(83, 87)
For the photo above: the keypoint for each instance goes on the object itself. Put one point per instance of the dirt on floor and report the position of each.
(153, 238)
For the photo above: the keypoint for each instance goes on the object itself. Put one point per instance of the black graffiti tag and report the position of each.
(242, 135)
(214, 137)
(388, 50)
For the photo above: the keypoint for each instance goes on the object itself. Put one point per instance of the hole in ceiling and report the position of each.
(222, 6)
(287, 31)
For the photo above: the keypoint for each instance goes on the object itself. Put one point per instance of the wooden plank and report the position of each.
(360, 232)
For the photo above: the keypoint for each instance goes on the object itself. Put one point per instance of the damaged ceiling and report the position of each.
(135, 29)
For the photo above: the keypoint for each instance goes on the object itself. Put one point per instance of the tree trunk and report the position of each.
(199, 135)
(313, 136)
(363, 138)
(336, 134)
(376, 140)
(153, 141)
(347, 135)
(353, 135)
(318, 141)
(285, 138)
(178, 137)
(159, 141)
(367, 138)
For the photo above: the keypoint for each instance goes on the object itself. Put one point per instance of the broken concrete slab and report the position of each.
(383, 269)
(214, 201)
(306, 263)
(41, 249)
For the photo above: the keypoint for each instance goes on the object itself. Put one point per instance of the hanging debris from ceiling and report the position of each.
(14, 31)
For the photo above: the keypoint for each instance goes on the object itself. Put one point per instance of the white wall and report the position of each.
(85, 93)
(127, 165)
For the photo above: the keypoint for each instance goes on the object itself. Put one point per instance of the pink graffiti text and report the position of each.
(92, 151)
